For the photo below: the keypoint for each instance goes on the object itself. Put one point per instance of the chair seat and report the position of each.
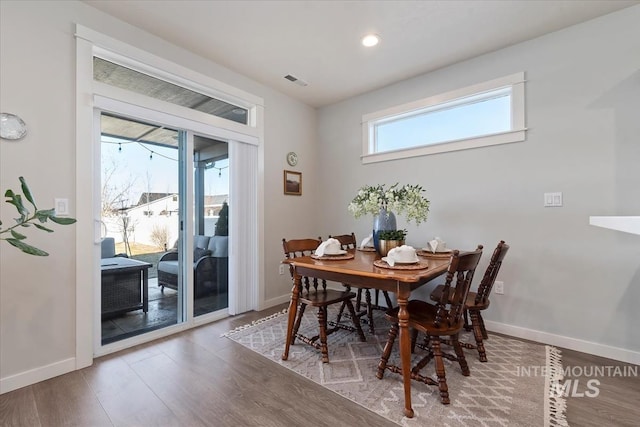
(422, 316)
(322, 298)
(470, 303)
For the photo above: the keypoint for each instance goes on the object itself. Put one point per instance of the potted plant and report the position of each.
(385, 202)
(389, 239)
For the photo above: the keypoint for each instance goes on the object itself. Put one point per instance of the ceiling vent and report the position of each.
(296, 80)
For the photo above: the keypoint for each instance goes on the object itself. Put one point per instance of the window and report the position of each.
(476, 116)
(119, 76)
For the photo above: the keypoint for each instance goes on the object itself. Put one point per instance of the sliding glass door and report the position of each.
(149, 279)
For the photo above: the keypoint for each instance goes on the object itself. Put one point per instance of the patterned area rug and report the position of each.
(496, 393)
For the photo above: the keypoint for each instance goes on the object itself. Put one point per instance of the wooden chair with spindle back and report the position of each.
(314, 293)
(437, 320)
(348, 241)
(478, 301)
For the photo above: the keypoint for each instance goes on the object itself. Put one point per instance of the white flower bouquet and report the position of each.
(407, 200)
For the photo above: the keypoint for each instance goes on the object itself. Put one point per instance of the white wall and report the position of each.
(566, 282)
(37, 82)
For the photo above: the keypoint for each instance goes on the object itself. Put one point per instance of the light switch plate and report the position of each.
(553, 199)
(61, 206)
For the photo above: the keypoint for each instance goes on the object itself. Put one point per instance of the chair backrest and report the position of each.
(460, 273)
(490, 274)
(296, 248)
(347, 241)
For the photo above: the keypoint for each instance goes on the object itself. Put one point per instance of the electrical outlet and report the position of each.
(282, 270)
(499, 287)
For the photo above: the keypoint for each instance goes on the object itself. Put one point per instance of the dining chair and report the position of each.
(478, 301)
(348, 241)
(315, 294)
(444, 318)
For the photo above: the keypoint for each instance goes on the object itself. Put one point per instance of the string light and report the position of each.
(151, 156)
(119, 147)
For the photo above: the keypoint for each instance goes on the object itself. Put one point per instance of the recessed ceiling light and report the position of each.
(370, 40)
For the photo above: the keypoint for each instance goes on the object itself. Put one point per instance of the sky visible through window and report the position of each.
(152, 168)
(463, 121)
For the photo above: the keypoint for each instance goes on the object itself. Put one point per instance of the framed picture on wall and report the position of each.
(293, 183)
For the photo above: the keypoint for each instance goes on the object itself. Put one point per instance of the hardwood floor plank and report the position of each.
(125, 397)
(18, 408)
(68, 400)
(618, 397)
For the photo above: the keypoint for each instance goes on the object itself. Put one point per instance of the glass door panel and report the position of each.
(211, 209)
(140, 214)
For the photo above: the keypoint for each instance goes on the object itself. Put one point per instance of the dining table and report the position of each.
(360, 271)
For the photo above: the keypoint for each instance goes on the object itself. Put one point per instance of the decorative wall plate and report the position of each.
(12, 127)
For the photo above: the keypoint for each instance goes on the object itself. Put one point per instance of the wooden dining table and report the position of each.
(360, 271)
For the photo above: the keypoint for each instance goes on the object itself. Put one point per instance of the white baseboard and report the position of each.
(33, 376)
(602, 350)
(274, 301)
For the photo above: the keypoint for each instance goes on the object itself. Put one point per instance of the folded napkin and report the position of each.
(435, 244)
(333, 244)
(367, 241)
(404, 253)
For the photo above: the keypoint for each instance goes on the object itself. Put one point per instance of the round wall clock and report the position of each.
(12, 127)
(292, 158)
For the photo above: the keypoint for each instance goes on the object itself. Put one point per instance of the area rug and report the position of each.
(514, 388)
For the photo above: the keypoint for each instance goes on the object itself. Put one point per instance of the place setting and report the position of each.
(436, 249)
(401, 258)
(331, 249)
(367, 244)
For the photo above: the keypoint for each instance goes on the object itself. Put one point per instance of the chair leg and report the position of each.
(384, 359)
(367, 294)
(477, 333)
(442, 379)
(387, 299)
(356, 320)
(340, 313)
(484, 330)
(460, 355)
(414, 339)
(467, 326)
(296, 326)
(322, 321)
(359, 300)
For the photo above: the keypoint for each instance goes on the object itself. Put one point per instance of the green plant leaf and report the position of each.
(17, 235)
(45, 214)
(28, 249)
(27, 192)
(41, 227)
(62, 221)
(16, 200)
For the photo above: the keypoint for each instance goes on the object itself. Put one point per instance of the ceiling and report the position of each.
(319, 41)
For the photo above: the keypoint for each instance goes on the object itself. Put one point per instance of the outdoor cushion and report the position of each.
(219, 246)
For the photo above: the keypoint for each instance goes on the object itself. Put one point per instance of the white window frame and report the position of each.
(515, 82)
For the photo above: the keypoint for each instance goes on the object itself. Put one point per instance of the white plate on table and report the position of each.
(340, 252)
(401, 262)
(441, 251)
